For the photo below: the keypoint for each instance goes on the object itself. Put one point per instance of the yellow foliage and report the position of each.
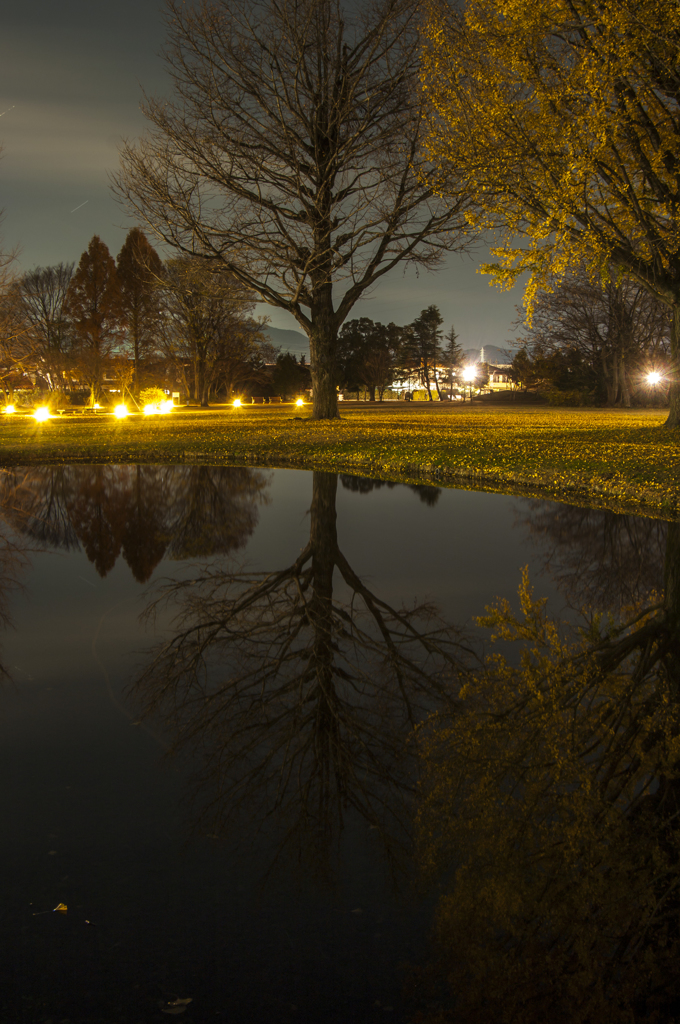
(563, 117)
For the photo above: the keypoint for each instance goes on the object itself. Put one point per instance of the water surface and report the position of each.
(237, 827)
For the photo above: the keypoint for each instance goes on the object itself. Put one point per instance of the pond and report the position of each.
(212, 681)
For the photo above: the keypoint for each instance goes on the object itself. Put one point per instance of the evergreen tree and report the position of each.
(368, 351)
(94, 308)
(421, 349)
(290, 377)
(139, 271)
(452, 355)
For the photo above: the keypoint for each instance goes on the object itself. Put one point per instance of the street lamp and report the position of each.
(41, 414)
(469, 374)
(121, 411)
(654, 378)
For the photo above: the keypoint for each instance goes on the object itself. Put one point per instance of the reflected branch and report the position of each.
(301, 704)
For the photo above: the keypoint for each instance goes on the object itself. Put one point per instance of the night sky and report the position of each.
(72, 78)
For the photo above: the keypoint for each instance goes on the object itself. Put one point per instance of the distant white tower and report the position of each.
(481, 354)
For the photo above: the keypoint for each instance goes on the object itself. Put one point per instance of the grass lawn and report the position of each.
(619, 459)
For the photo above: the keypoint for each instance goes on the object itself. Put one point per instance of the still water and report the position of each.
(228, 818)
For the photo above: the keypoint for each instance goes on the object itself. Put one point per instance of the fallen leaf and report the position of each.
(60, 908)
(174, 1006)
(358, 911)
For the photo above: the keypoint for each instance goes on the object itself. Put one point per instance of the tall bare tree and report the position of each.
(292, 157)
(301, 702)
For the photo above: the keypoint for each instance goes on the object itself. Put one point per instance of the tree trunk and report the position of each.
(608, 383)
(201, 390)
(625, 385)
(323, 541)
(136, 374)
(674, 370)
(672, 575)
(323, 338)
(426, 375)
(672, 601)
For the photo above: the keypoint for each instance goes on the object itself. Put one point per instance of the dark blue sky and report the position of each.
(71, 82)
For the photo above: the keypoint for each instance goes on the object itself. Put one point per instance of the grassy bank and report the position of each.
(622, 459)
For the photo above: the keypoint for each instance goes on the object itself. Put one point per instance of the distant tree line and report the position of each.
(130, 323)
(135, 322)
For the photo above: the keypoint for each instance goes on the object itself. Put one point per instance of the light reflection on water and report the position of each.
(161, 854)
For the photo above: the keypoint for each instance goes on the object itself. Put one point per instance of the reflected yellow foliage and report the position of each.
(549, 803)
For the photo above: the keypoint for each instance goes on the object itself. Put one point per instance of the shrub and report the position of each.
(151, 396)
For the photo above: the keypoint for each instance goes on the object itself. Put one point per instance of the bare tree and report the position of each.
(301, 703)
(292, 157)
(17, 354)
(42, 293)
(208, 328)
(618, 329)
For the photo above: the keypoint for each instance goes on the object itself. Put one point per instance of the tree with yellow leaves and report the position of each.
(565, 119)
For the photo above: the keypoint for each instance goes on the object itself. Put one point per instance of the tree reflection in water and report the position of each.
(549, 811)
(545, 787)
(301, 702)
(14, 558)
(600, 559)
(145, 513)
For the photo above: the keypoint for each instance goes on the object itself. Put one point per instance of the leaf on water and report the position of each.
(174, 1005)
(357, 911)
(60, 908)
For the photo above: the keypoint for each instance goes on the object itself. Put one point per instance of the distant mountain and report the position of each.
(488, 354)
(297, 344)
(294, 342)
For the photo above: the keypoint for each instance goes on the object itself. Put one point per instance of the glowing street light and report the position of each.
(654, 377)
(300, 402)
(9, 409)
(121, 411)
(165, 406)
(41, 414)
(469, 373)
(149, 410)
(237, 403)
